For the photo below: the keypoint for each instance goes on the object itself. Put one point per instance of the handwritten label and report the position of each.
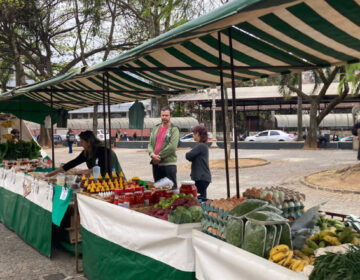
(64, 193)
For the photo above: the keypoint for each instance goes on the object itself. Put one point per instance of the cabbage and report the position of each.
(196, 213)
(180, 216)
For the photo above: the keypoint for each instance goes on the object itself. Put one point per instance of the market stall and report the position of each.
(120, 243)
(26, 208)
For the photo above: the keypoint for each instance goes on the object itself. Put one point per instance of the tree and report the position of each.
(323, 79)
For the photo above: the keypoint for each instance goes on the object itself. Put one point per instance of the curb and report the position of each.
(316, 187)
(251, 166)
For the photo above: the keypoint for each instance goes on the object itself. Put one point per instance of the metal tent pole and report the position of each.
(234, 115)
(104, 116)
(109, 112)
(52, 129)
(223, 115)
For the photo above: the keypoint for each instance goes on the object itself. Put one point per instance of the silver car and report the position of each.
(271, 136)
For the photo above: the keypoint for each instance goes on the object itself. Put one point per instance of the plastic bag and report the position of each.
(247, 207)
(254, 238)
(303, 227)
(285, 237)
(234, 232)
(270, 239)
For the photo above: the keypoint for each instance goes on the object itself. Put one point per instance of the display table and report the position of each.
(27, 213)
(216, 259)
(119, 243)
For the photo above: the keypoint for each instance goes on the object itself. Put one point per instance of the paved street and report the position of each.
(20, 261)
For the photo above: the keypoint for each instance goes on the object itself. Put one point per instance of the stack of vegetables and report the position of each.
(257, 227)
(181, 210)
(289, 201)
(333, 233)
(215, 215)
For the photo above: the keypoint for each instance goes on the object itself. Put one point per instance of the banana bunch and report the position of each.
(294, 260)
(7, 124)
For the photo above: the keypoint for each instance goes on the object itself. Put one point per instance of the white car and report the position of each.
(271, 136)
(346, 139)
(190, 137)
(101, 136)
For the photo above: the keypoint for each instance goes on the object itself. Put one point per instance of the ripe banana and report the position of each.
(279, 248)
(289, 258)
(279, 256)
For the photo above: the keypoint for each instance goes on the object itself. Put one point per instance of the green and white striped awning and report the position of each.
(76, 92)
(269, 37)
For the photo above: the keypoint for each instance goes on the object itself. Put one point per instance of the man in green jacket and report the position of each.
(164, 140)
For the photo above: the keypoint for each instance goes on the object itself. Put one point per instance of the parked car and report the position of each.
(190, 137)
(271, 136)
(101, 136)
(346, 139)
(57, 139)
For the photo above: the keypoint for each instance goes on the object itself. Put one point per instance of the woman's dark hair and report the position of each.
(89, 136)
(201, 130)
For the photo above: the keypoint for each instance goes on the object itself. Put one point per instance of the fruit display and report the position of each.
(289, 201)
(330, 236)
(179, 209)
(294, 260)
(215, 215)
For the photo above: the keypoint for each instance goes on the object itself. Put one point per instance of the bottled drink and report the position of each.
(96, 170)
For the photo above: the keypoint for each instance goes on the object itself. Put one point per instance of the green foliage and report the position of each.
(352, 76)
(21, 149)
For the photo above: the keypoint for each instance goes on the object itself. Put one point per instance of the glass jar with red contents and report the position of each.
(188, 187)
(129, 190)
(158, 194)
(139, 197)
(138, 188)
(148, 197)
(129, 199)
(117, 192)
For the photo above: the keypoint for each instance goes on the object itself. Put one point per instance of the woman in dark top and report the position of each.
(199, 156)
(93, 150)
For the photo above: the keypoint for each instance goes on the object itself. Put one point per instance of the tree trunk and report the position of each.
(163, 101)
(19, 69)
(44, 138)
(311, 137)
(95, 118)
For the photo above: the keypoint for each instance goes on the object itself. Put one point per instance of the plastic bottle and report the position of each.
(96, 170)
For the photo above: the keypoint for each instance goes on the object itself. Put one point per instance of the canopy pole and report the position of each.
(52, 129)
(109, 111)
(234, 115)
(223, 116)
(104, 116)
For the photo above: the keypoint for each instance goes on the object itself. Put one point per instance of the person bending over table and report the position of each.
(93, 150)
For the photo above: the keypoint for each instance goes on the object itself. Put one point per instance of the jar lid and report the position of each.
(188, 183)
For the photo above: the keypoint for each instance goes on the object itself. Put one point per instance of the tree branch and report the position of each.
(299, 92)
(340, 98)
(327, 82)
